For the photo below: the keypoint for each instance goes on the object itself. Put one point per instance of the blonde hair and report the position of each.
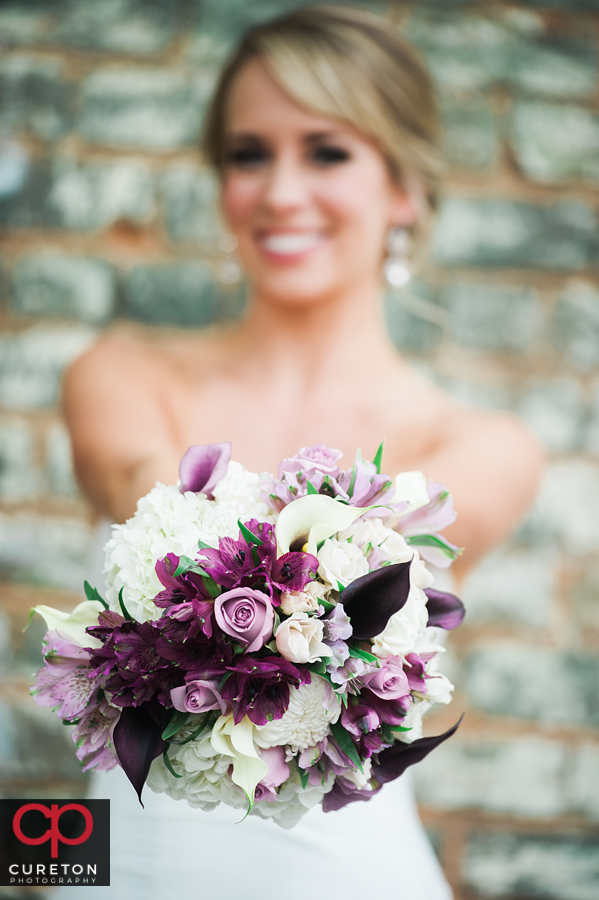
(351, 65)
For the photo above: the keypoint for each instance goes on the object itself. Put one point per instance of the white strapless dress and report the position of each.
(169, 850)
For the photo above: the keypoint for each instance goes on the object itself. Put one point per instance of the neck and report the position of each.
(340, 339)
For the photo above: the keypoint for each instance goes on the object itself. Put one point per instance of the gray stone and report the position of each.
(59, 462)
(567, 509)
(408, 314)
(122, 26)
(520, 777)
(592, 438)
(492, 317)
(471, 138)
(31, 363)
(190, 208)
(53, 284)
(92, 196)
(5, 649)
(543, 866)
(36, 746)
(583, 782)
(468, 52)
(531, 682)
(491, 232)
(556, 143)
(555, 411)
(175, 294)
(34, 96)
(577, 324)
(26, 204)
(159, 109)
(19, 476)
(24, 23)
(44, 550)
(512, 586)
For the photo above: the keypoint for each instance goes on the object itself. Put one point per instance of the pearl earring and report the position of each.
(395, 267)
(230, 269)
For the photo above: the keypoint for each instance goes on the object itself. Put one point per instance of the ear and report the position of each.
(404, 207)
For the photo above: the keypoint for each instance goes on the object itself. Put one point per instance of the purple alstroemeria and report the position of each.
(436, 515)
(240, 562)
(64, 682)
(202, 656)
(203, 466)
(365, 486)
(336, 631)
(259, 688)
(414, 669)
(94, 736)
(185, 587)
(367, 712)
(343, 792)
(140, 671)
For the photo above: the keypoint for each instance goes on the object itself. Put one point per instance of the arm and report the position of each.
(492, 465)
(122, 435)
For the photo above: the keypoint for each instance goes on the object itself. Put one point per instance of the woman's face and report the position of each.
(310, 199)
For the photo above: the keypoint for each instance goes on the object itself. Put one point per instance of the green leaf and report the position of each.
(344, 739)
(340, 587)
(177, 721)
(122, 605)
(378, 457)
(399, 727)
(203, 546)
(32, 612)
(92, 594)
(318, 667)
(250, 538)
(352, 483)
(326, 605)
(209, 720)
(185, 564)
(432, 540)
(311, 488)
(169, 764)
(304, 777)
(358, 653)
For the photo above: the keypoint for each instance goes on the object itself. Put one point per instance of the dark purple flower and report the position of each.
(343, 792)
(184, 588)
(203, 466)
(444, 610)
(259, 688)
(140, 672)
(414, 669)
(204, 657)
(245, 615)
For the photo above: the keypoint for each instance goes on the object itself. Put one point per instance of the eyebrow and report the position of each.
(312, 137)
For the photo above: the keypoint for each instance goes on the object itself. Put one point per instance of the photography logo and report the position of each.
(54, 842)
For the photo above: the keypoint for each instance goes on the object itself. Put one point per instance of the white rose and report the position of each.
(299, 639)
(419, 574)
(340, 562)
(307, 600)
(405, 628)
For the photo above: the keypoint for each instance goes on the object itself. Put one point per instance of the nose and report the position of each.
(286, 186)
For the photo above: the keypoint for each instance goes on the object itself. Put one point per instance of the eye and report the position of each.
(329, 155)
(247, 157)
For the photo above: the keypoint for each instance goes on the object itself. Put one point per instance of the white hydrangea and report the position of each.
(293, 801)
(205, 782)
(306, 721)
(167, 521)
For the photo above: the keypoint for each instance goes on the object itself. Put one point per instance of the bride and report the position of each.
(323, 131)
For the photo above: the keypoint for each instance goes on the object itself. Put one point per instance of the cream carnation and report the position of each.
(340, 562)
(312, 708)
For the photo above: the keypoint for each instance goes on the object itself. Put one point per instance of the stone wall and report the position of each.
(106, 211)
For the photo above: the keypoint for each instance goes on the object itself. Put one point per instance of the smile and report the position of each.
(291, 243)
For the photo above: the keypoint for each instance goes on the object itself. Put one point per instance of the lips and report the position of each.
(291, 243)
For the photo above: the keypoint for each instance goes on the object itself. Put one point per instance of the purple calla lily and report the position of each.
(372, 599)
(137, 740)
(393, 761)
(444, 610)
(203, 466)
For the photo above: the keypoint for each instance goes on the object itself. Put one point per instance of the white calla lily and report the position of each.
(312, 519)
(237, 741)
(412, 488)
(71, 626)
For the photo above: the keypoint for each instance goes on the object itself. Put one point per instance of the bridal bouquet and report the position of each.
(268, 643)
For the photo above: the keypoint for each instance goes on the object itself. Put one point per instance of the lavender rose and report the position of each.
(390, 682)
(318, 458)
(245, 615)
(198, 696)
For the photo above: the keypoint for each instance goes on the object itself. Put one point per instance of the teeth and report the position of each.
(290, 243)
